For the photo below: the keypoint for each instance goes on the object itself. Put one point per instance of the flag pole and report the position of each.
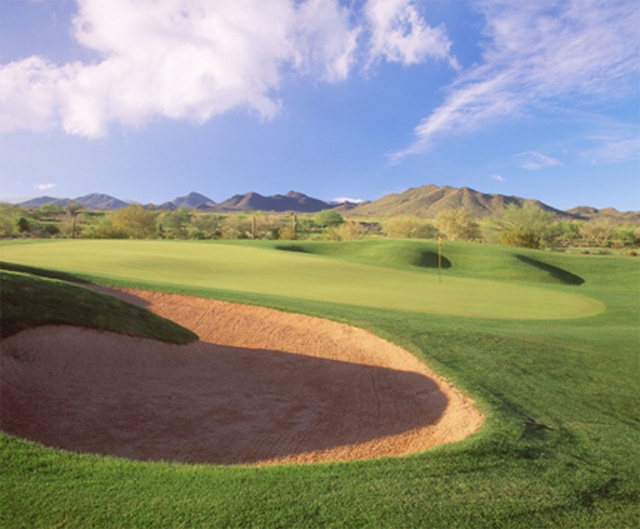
(440, 242)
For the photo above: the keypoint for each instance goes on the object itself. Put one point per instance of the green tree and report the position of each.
(457, 225)
(8, 215)
(136, 222)
(328, 218)
(176, 223)
(73, 209)
(48, 211)
(206, 226)
(567, 233)
(526, 227)
(23, 225)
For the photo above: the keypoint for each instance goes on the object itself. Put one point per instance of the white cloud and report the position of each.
(564, 49)
(498, 178)
(533, 160)
(342, 200)
(195, 59)
(400, 34)
(44, 187)
(325, 41)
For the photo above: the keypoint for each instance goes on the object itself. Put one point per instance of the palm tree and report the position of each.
(73, 208)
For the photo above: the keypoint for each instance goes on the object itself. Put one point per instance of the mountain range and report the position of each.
(425, 201)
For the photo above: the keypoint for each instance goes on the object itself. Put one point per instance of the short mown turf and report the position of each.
(259, 269)
(561, 397)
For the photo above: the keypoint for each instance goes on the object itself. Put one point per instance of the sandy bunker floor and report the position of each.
(261, 386)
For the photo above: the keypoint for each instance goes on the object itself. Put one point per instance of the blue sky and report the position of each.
(149, 100)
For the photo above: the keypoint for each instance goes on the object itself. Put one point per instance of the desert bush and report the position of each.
(457, 225)
(136, 222)
(520, 239)
(175, 224)
(235, 227)
(347, 231)
(408, 227)
(625, 236)
(205, 226)
(597, 232)
(525, 227)
(49, 230)
(287, 233)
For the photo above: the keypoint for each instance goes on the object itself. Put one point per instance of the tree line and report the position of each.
(529, 226)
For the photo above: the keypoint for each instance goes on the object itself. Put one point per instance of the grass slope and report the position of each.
(559, 448)
(30, 301)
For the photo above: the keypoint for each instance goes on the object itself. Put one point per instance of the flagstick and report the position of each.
(439, 259)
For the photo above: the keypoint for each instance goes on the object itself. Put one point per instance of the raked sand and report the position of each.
(260, 386)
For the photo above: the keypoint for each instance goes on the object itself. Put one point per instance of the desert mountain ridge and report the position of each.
(425, 201)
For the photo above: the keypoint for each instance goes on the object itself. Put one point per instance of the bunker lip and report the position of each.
(261, 386)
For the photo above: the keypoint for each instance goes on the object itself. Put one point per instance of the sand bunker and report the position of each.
(261, 386)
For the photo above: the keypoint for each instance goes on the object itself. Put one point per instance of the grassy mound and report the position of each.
(477, 260)
(29, 301)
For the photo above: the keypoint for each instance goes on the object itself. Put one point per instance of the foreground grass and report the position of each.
(559, 448)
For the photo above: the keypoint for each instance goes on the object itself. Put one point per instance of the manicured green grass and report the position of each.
(561, 397)
(258, 269)
(28, 301)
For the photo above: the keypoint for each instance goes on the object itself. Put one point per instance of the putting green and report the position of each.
(263, 270)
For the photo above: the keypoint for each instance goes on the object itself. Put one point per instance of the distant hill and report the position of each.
(94, 201)
(589, 213)
(191, 201)
(292, 201)
(40, 201)
(100, 201)
(427, 201)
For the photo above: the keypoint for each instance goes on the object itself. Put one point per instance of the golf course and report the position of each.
(544, 346)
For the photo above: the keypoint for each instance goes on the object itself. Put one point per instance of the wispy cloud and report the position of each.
(538, 51)
(44, 187)
(533, 160)
(613, 149)
(196, 59)
(498, 178)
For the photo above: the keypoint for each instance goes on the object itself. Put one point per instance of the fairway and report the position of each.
(268, 271)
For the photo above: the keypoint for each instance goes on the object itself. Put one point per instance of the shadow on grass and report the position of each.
(413, 257)
(29, 300)
(561, 275)
(297, 248)
(43, 272)
(428, 259)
